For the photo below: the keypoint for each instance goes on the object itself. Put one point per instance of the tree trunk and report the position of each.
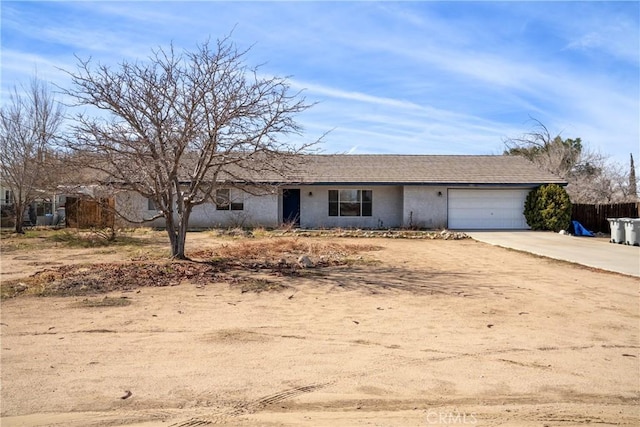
(19, 208)
(171, 231)
(183, 222)
(178, 234)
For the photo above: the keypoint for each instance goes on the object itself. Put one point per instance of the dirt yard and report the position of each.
(403, 333)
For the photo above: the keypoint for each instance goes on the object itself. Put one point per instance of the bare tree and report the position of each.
(29, 124)
(591, 177)
(562, 157)
(179, 126)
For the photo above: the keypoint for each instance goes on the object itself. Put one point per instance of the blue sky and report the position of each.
(389, 77)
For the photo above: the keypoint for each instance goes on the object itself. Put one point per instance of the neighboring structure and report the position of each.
(6, 207)
(377, 191)
(6, 198)
(41, 211)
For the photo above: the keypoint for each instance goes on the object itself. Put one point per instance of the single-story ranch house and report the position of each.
(381, 191)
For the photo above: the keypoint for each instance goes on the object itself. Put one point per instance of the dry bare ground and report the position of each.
(389, 332)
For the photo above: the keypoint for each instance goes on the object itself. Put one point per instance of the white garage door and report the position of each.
(486, 209)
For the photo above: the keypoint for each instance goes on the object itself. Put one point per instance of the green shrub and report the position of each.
(548, 208)
(531, 211)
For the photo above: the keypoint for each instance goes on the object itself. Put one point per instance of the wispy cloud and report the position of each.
(353, 96)
(610, 30)
(372, 124)
(440, 77)
(606, 40)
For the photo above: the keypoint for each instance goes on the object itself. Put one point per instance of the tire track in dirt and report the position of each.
(89, 419)
(454, 355)
(250, 406)
(258, 404)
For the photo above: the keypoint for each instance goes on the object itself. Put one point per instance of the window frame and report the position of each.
(226, 202)
(44, 207)
(343, 204)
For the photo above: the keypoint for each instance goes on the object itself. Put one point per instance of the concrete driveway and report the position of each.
(589, 251)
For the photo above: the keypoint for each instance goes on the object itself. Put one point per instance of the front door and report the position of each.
(291, 206)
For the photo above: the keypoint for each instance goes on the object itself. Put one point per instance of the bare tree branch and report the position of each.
(179, 126)
(591, 177)
(29, 126)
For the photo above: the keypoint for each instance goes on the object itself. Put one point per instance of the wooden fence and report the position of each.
(594, 217)
(89, 213)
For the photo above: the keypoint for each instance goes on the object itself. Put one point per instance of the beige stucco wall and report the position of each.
(258, 211)
(314, 208)
(133, 206)
(424, 207)
(393, 207)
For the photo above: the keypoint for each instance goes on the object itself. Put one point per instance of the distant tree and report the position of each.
(633, 183)
(29, 125)
(180, 126)
(562, 157)
(591, 177)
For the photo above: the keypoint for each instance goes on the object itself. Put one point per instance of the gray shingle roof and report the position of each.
(420, 169)
(381, 169)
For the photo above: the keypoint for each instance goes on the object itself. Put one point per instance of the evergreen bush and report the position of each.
(548, 208)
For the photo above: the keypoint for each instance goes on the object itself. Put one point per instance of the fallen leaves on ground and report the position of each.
(276, 257)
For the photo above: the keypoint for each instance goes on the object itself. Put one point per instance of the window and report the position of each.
(151, 205)
(44, 207)
(8, 197)
(350, 202)
(225, 203)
